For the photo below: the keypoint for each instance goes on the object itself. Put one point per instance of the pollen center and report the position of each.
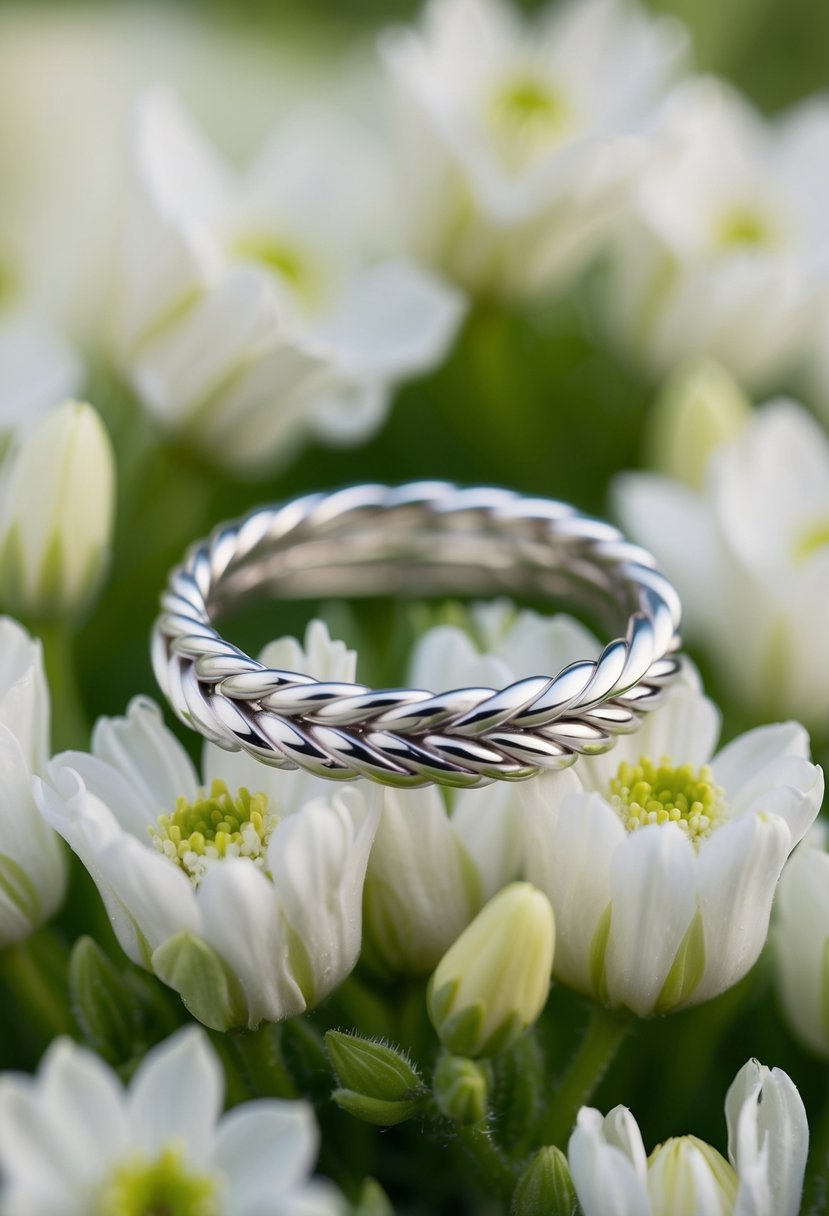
(646, 793)
(163, 1187)
(747, 226)
(527, 117)
(217, 825)
(291, 264)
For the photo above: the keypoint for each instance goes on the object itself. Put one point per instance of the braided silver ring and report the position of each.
(427, 537)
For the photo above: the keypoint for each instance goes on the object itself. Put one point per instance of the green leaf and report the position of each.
(106, 1011)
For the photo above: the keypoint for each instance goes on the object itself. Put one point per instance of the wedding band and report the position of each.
(422, 538)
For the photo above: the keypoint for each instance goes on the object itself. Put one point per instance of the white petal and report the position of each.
(652, 889)
(606, 1181)
(265, 1148)
(570, 839)
(318, 860)
(737, 871)
(422, 888)
(766, 1117)
(395, 319)
(790, 788)
(487, 823)
(242, 920)
(741, 759)
(445, 657)
(24, 696)
(621, 1129)
(800, 942)
(60, 1130)
(149, 755)
(176, 1094)
(38, 369)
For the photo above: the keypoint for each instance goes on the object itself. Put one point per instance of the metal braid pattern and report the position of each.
(426, 537)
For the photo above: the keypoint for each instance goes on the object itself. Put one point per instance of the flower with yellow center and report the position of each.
(661, 872)
(74, 1139)
(247, 904)
(768, 1138)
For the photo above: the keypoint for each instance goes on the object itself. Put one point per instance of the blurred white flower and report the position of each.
(512, 159)
(749, 555)
(440, 854)
(38, 367)
(768, 1141)
(247, 318)
(661, 862)
(57, 505)
(74, 1140)
(244, 893)
(801, 940)
(724, 249)
(32, 861)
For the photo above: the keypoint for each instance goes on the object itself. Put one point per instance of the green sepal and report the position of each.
(372, 1069)
(378, 1111)
(687, 969)
(461, 1088)
(545, 1188)
(206, 986)
(373, 1200)
(19, 889)
(107, 1013)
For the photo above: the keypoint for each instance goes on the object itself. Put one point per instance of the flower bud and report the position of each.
(687, 1175)
(460, 1088)
(104, 1008)
(373, 1200)
(545, 1187)
(493, 982)
(57, 513)
(377, 1083)
(700, 407)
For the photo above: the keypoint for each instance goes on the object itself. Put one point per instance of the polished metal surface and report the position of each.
(424, 538)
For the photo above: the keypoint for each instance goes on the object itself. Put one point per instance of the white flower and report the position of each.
(38, 369)
(801, 940)
(243, 894)
(32, 861)
(439, 854)
(724, 249)
(57, 503)
(513, 159)
(768, 1140)
(661, 862)
(75, 1142)
(749, 555)
(247, 319)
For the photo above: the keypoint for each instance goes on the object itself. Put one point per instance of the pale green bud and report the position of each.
(700, 407)
(545, 1188)
(377, 1082)
(56, 520)
(493, 982)
(107, 1013)
(373, 1200)
(460, 1087)
(687, 1175)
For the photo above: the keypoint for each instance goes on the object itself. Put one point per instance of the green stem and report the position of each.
(70, 725)
(593, 1056)
(262, 1062)
(37, 991)
(494, 1171)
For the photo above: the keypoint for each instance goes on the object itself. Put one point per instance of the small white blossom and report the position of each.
(723, 251)
(439, 855)
(513, 159)
(749, 555)
(661, 861)
(244, 893)
(57, 505)
(768, 1140)
(75, 1141)
(801, 940)
(249, 319)
(32, 861)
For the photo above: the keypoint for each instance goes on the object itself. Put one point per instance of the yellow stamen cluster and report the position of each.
(646, 793)
(215, 826)
(745, 226)
(527, 117)
(163, 1187)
